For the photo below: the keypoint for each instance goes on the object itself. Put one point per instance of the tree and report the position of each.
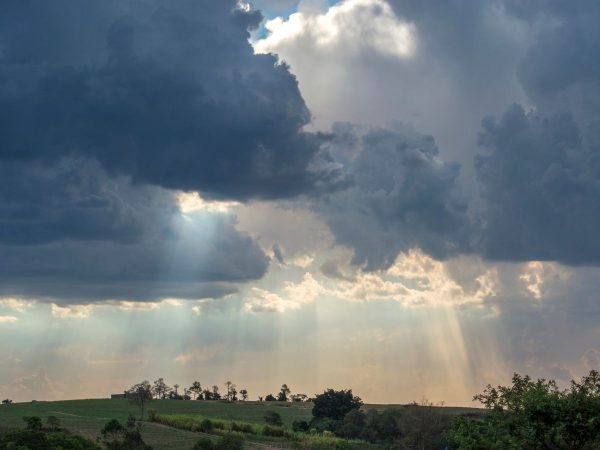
(535, 415)
(7, 401)
(33, 423)
(244, 394)
(196, 389)
(285, 391)
(299, 397)
(335, 405)
(53, 422)
(215, 393)
(118, 437)
(140, 394)
(270, 398)
(175, 387)
(231, 391)
(160, 388)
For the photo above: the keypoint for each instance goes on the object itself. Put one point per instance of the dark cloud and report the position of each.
(71, 233)
(167, 93)
(403, 196)
(561, 69)
(278, 254)
(541, 188)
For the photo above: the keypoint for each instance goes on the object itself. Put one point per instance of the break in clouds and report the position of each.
(108, 109)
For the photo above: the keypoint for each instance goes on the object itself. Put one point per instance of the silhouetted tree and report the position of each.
(244, 394)
(334, 404)
(283, 394)
(7, 401)
(215, 393)
(140, 394)
(298, 397)
(196, 389)
(270, 398)
(160, 388)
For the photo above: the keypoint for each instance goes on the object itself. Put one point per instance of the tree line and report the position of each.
(160, 390)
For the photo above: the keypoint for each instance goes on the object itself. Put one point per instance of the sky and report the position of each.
(400, 197)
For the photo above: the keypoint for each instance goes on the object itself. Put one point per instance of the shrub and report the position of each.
(300, 426)
(65, 441)
(34, 423)
(34, 440)
(230, 442)
(204, 444)
(53, 422)
(273, 431)
(273, 418)
(206, 426)
(152, 415)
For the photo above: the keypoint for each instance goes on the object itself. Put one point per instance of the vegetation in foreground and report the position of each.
(525, 415)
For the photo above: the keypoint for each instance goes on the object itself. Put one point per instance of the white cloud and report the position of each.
(360, 25)
(416, 280)
(190, 202)
(8, 319)
(294, 295)
(71, 311)
(16, 304)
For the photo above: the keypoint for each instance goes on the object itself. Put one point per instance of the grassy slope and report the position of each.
(87, 417)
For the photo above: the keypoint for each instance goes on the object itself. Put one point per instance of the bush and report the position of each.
(53, 422)
(273, 418)
(36, 440)
(152, 415)
(206, 426)
(300, 426)
(204, 444)
(273, 431)
(230, 442)
(34, 423)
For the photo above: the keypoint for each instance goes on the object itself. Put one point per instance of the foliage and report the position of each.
(28, 439)
(300, 426)
(535, 415)
(7, 401)
(273, 418)
(230, 442)
(335, 404)
(118, 437)
(159, 388)
(53, 422)
(270, 398)
(140, 394)
(204, 444)
(33, 423)
(283, 393)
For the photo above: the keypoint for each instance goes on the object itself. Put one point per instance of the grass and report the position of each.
(259, 433)
(87, 417)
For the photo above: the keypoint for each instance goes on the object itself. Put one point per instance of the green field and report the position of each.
(87, 417)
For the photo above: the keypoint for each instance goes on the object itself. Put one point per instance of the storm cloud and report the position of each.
(168, 94)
